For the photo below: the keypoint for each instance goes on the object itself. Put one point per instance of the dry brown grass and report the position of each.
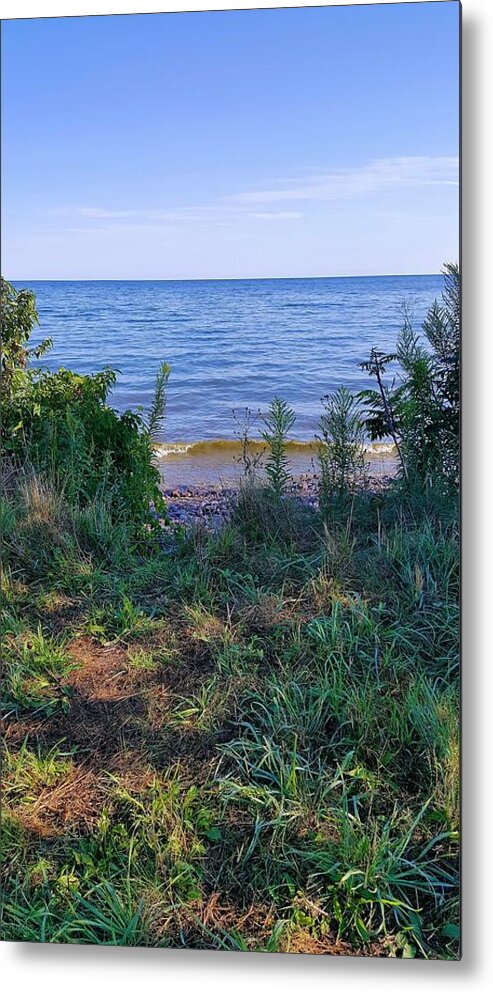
(75, 802)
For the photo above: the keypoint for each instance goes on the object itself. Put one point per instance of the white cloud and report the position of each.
(152, 214)
(98, 213)
(380, 175)
(275, 215)
(216, 213)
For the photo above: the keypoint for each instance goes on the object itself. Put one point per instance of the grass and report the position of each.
(241, 740)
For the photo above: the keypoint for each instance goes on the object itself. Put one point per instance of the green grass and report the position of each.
(34, 669)
(240, 740)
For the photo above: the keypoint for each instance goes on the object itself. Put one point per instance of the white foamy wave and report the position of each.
(164, 450)
(230, 448)
(380, 448)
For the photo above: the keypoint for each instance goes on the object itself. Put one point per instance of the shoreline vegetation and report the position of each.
(214, 504)
(231, 712)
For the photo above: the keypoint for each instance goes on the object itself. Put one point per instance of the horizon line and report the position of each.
(367, 275)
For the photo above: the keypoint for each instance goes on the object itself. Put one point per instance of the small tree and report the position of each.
(18, 318)
(442, 330)
(278, 422)
(383, 404)
(340, 445)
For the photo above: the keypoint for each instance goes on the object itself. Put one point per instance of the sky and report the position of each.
(231, 144)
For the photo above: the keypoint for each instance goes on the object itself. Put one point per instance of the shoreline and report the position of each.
(218, 464)
(210, 504)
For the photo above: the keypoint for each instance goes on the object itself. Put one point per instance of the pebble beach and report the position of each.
(210, 505)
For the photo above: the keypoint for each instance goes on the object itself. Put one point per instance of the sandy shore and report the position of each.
(214, 464)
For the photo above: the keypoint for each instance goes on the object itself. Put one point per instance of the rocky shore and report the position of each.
(211, 505)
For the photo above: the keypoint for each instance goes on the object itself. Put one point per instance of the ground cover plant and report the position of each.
(244, 738)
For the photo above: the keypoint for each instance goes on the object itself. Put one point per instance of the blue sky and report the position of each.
(303, 142)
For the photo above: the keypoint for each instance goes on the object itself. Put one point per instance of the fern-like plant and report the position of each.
(278, 422)
(340, 445)
(421, 413)
(157, 412)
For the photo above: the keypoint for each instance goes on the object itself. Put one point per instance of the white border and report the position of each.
(47, 967)
(59, 8)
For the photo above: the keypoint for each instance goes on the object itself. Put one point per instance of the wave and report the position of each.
(222, 447)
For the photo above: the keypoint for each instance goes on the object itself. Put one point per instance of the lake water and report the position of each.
(231, 343)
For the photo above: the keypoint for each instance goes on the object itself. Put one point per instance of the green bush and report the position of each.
(18, 317)
(61, 424)
(279, 420)
(421, 413)
(340, 446)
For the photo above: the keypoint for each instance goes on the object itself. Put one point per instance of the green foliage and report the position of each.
(442, 330)
(294, 716)
(61, 424)
(18, 318)
(278, 422)
(421, 413)
(157, 412)
(34, 667)
(340, 447)
(104, 916)
(245, 739)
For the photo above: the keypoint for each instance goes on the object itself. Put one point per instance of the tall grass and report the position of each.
(238, 739)
(291, 712)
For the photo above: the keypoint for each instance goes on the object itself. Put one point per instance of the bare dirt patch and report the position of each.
(74, 802)
(303, 942)
(103, 674)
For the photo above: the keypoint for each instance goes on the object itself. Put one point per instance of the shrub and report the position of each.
(18, 317)
(278, 422)
(60, 423)
(340, 445)
(421, 414)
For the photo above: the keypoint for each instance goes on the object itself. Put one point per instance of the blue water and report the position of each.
(231, 343)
